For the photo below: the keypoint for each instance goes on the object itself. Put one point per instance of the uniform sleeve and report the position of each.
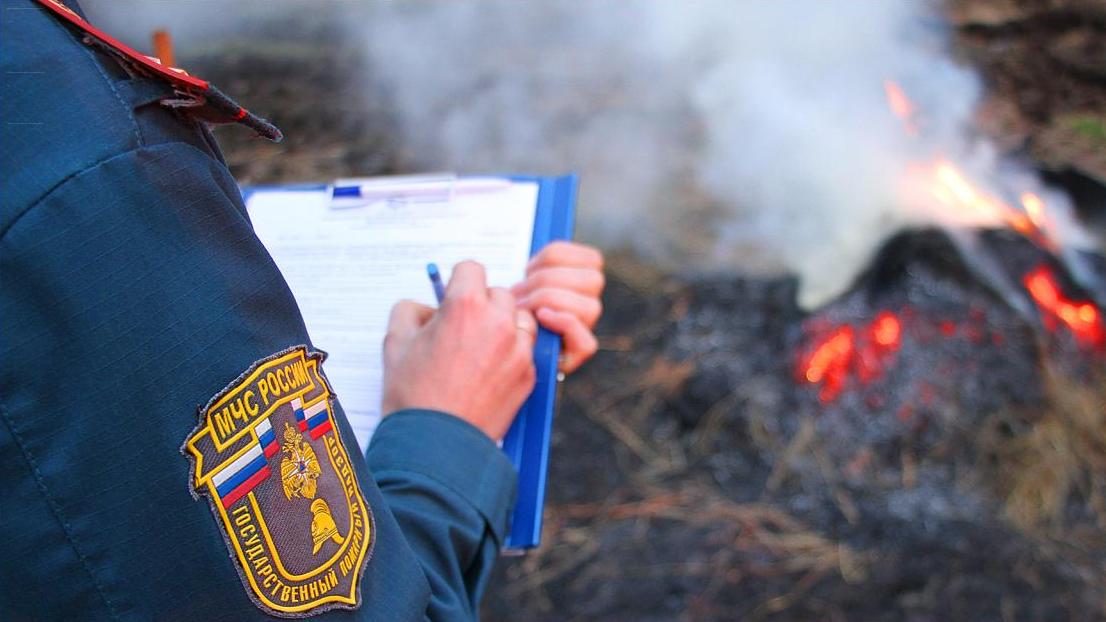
(450, 488)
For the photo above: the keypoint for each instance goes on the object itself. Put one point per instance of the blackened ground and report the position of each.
(308, 80)
(695, 477)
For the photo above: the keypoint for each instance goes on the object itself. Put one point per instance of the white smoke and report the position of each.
(709, 134)
(548, 87)
(716, 134)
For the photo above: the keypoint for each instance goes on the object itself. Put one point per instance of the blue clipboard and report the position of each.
(528, 440)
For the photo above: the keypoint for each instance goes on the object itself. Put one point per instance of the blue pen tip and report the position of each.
(432, 269)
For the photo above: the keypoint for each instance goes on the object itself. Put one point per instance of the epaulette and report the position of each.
(192, 96)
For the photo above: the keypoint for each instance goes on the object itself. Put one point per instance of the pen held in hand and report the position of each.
(436, 280)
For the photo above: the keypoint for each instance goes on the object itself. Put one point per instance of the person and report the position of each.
(139, 312)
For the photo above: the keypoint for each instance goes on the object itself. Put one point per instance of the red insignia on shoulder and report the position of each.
(193, 96)
(268, 456)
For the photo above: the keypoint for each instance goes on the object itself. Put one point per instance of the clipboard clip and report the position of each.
(408, 189)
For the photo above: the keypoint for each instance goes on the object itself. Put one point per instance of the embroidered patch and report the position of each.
(267, 455)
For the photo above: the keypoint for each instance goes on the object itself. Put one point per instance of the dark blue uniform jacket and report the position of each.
(132, 290)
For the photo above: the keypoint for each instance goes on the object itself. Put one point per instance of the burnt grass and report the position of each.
(696, 475)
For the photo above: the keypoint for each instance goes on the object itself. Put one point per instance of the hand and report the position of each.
(473, 358)
(562, 288)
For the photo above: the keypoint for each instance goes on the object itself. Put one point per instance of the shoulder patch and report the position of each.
(268, 456)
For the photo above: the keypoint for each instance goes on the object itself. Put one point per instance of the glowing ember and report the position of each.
(886, 331)
(844, 351)
(828, 363)
(835, 351)
(1081, 317)
(901, 105)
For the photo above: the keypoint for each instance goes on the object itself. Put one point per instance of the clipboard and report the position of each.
(528, 440)
(527, 443)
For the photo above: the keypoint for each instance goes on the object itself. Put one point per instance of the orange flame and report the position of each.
(1081, 317)
(1035, 209)
(951, 188)
(901, 106)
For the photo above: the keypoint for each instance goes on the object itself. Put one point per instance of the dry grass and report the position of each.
(754, 540)
(1062, 454)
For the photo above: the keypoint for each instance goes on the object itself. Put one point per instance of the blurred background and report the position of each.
(853, 360)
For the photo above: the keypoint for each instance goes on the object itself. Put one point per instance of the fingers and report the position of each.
(525, 323)
(586, 281)
(566, 254)
(586, 308)
(579, 342)
(468, 281)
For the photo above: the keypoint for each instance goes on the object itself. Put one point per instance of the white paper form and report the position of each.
(347, 267)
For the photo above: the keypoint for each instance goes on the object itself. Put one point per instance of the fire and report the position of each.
(887, 331)
(1035, 208)
(847, 355)
(952, 188)
(1081, 317)
(845, 351)
(901, 106)
(967, 204)
(828, 363)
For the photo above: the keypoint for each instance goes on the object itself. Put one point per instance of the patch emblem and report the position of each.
(267, 455)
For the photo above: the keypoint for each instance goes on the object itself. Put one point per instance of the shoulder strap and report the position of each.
(193, 96)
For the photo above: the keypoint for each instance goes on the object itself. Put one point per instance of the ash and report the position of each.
(696, 474)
